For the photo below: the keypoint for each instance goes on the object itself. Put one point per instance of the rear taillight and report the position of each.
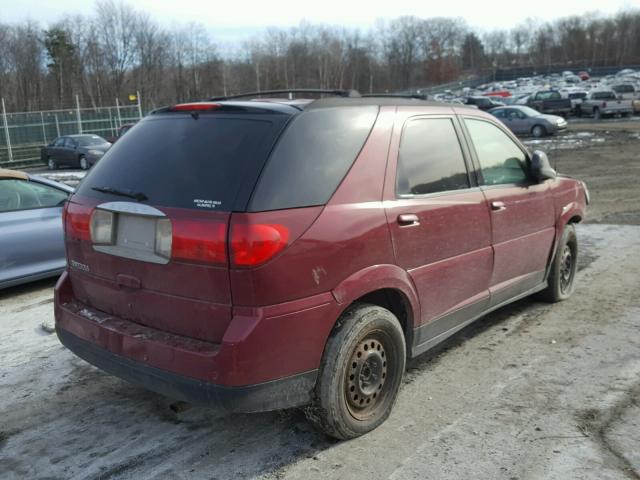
(254, 244)
(76, 221)
(101, 227)
(604, 104)
(198, 241)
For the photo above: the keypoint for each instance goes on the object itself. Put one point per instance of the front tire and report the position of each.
(538, 131)
(562, 274)
(51, 164)
(596, 114)
(360, 374)
(84, 165)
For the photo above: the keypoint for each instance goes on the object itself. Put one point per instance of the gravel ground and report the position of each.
(531, 391)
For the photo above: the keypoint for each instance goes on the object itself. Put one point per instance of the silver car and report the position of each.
(525, 120)
(31, 237)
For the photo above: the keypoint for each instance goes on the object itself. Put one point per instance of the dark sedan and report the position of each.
(525, 120)
(75, 151)
(31, 243)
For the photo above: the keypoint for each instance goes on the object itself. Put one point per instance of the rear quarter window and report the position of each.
(312, 157)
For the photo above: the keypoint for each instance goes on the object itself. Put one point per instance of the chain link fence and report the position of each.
(23, 134)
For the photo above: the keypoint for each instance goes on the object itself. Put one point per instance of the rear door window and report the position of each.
(312, 157)
(430, 158)
(201, 162)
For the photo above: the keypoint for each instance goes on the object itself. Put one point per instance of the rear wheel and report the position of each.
(596, 114)
(360, 374)
(51, 164)
(538, 131)
(561, 280)
(84, 165)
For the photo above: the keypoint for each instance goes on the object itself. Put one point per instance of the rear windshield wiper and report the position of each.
(139, 196)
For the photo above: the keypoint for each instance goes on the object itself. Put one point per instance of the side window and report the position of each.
(23, 195)
(498, 113)
(501, 160)
(430, 158)
(69, 143)
(59, 142)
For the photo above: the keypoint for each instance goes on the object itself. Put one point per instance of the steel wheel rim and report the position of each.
(566, 268)
(83, 163)
(367, 384)
(52, 165)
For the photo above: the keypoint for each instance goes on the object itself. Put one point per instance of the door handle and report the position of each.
(407, 219)
(498, 206)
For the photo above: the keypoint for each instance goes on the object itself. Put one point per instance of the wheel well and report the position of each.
(397, 303)
(575, 219)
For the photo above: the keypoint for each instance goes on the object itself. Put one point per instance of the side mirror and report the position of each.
(540, 166)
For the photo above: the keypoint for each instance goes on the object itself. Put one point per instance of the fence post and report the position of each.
(118, 110)
(6, 131)
(44, 132)
(111, 126)
(57, 125)
(139, 106)
(78, 117)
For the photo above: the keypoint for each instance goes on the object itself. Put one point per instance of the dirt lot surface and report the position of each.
(532, 391)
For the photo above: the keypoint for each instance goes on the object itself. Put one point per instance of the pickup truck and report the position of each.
(604, 103)
(550, 101)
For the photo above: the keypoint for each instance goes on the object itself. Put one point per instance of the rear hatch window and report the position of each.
(202, 162)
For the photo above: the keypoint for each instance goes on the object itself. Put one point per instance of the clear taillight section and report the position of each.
(102, 227)
(164, 238)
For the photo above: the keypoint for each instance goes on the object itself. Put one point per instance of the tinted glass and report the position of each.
(548, 96)
(430, 158)
(69, 143)
(24, 195)
(501, 160)
(177, 160)
(604, 96)
(59, 142)
(312, 157)
(498, 113)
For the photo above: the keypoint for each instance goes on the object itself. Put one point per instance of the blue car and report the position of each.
(31, 237)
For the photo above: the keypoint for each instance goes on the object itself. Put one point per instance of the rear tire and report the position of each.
(596, 114)
(360, 374)
(84, 165)
(562, 274)
(51, 164)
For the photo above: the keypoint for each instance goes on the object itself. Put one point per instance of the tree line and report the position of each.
(119, 50)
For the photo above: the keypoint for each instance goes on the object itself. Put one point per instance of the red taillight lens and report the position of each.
(199, 241)
(253, 244)
(194, 107)
(76, 221)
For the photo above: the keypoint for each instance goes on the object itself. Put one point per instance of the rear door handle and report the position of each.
(498, 206)
(408, 219)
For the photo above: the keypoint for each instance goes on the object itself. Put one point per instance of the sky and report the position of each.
(239, 19)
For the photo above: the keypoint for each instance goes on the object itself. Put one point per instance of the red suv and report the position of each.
(273, 254)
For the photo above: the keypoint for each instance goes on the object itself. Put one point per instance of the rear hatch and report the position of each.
(147, 228)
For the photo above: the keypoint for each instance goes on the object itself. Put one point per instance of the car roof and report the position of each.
(6, 173)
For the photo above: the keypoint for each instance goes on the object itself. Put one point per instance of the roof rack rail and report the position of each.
(291, 93)
(417, 96)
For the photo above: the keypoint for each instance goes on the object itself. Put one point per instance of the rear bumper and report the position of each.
(277, 394)
(268, 357)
